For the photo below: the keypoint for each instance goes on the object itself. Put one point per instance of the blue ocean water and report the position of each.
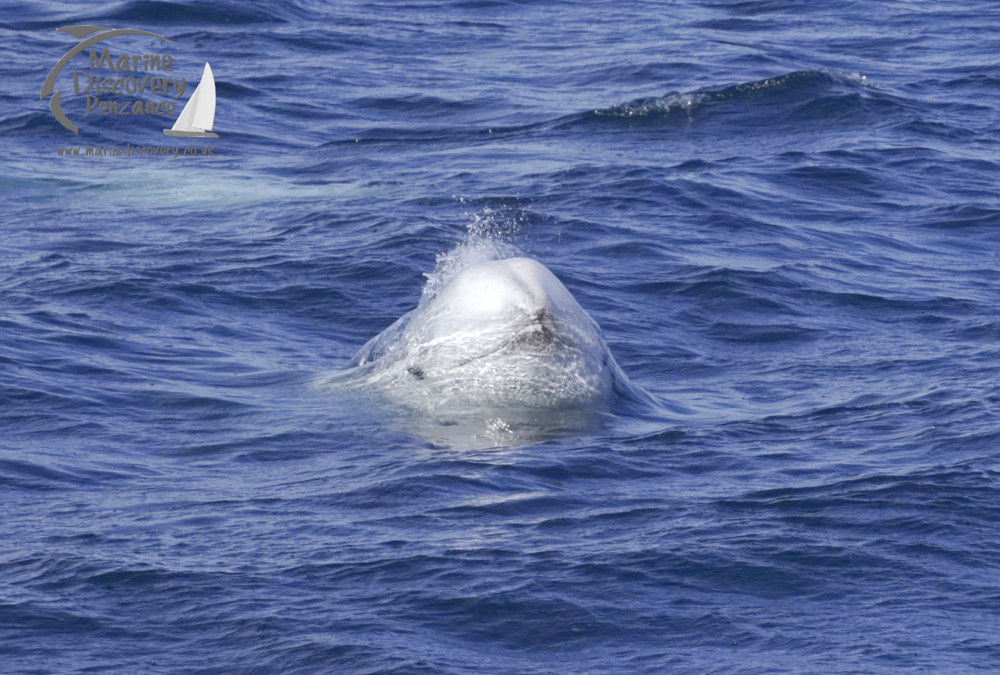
(783, 214)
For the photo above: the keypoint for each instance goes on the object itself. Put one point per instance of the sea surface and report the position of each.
(783, 214)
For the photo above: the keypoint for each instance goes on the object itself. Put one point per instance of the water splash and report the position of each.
(489, 236)
(655, 106)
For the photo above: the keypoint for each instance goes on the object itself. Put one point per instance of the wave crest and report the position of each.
(785, 93)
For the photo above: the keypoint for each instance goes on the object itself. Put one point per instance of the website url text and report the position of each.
(129, 150)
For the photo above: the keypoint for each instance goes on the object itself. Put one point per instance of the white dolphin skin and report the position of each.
(503, 333)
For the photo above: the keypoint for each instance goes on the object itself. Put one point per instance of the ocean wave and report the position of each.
(816, 97)
(156, 12)
(799, 96)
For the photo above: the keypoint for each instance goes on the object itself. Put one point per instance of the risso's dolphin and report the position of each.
(500, 339)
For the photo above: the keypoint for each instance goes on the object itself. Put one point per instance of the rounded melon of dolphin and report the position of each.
(503, 333)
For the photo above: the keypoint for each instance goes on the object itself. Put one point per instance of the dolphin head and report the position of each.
(499, 335)
(501, 351)
(503, 305)
(502, 333)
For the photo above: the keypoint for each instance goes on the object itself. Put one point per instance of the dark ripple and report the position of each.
(155, 12)
(415, 104)
(34, 475)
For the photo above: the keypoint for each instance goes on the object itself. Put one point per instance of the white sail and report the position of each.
(185, 119)
(204, 113)
(199, 114)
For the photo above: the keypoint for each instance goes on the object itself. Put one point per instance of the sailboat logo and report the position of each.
(196, 120)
